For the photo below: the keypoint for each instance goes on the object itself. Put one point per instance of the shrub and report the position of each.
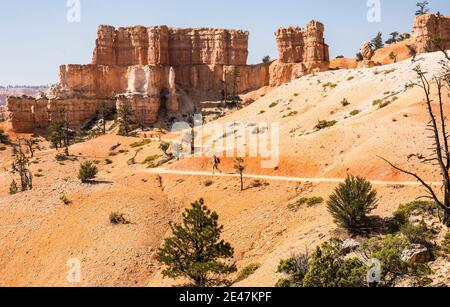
(295, 268)
(273, 104)
(247, 271)
(2, 148)
(88, 171)
(323, 124)
(13, 188)
(314, 201)
(345, 102)
(355, 112)
(446, 243)
(330, 268)
(208, 183)
(3, 137)
(350, 78)
(305, 200)
(388, 251)
(417, 234)
(141, 143)
(151, 160)
(351, 202)
(60, 157)
(116, 218)
(65, 200)
(108, 161)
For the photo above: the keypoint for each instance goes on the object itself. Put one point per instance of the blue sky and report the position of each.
(36, 37)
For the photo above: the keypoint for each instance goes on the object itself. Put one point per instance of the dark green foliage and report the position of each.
(405, 211)
(388, 251)
(330, 268)
(351, 202)
(88, 171)
(124, 115)
(3, 137)
(266, 59)
(295, 268)
(377, 42)
(394, 38)
(247, 271)
(359, 57)
(323, 124)
(195, 249)
(423, 8)
(116, 218)
(418, 234)
(13, 189)
(339, 57)
(446, 243)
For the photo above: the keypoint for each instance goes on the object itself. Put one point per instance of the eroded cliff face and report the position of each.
(301, 51)
(426, 28)
(143, 66)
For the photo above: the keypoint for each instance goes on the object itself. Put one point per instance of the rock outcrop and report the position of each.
(367, 54)
(144, 67)
(426, 28)
(301, 52)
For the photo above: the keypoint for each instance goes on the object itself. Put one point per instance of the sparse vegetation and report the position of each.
(377, 42)
(355, 112)
(247, 271)
(88, 171)
(195, 249)
(20, 165)
(3, 137)
(345, 102)
(65, 200)
(323, 124)
(116, 218)
(273, 104)
(310, 201)
(13, 188)
(351, 202)
(208, 183)
(140, 143)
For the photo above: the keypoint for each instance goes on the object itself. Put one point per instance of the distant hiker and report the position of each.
(215, 164)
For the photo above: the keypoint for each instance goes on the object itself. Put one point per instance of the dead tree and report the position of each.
(440, 151)
(20, 166)
(32, 145)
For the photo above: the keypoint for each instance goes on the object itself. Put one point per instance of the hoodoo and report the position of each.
(145, 68)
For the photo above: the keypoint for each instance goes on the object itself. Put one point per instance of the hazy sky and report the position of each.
(36, 36)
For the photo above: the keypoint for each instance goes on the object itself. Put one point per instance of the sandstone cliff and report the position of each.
(143, 66)
(426, 28)
(301, 51)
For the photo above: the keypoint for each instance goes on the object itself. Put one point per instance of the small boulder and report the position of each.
(416, 254)
(350, 245)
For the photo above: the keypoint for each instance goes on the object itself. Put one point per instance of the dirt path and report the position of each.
(162, 171)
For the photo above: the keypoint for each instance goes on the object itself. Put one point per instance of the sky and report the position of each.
(37, 36)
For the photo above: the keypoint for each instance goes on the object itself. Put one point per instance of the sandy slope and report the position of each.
(39, 234)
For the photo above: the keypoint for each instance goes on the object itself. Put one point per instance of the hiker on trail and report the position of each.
(215, 164)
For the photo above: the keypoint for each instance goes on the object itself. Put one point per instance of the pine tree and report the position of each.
(377, 42)
(125, 113)
(351, 202)
(423, 8)
(195, 249)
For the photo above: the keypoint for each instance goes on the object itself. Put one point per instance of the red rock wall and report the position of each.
(297, 45)
(164, 46)
(427, 27)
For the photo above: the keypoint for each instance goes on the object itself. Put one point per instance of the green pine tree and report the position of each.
(195, 250)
